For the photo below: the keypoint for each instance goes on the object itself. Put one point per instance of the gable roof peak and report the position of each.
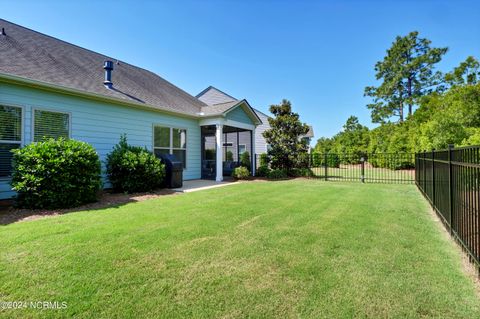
(211, 96)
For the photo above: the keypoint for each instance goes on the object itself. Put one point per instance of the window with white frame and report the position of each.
(49, 124)
(169, 140)
(10, 136)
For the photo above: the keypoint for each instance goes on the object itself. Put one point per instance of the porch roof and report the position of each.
(222, 109)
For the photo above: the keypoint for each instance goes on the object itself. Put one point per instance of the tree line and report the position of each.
(415, 106)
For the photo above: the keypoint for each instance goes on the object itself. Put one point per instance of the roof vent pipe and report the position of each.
(108, 67)
(3, 31)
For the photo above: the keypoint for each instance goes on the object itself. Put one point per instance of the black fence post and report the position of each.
(424, 169)
(450, 186)
(362, 177)
(325, 157)
(433, 179)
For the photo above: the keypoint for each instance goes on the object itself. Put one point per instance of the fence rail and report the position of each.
(367, 168)
(449, 180)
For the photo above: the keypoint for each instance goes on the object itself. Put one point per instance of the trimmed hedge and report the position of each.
(56, 174)
(133, 168)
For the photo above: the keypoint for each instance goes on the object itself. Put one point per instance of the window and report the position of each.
(48, 124)
(10, 136)
(168, 140)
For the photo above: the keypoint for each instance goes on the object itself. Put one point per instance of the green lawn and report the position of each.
(300, 248)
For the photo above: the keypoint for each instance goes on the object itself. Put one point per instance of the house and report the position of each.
(51, 88)
(213, 96)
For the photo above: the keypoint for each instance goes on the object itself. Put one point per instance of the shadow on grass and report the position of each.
(10, 214)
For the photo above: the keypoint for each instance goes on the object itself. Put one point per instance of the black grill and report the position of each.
(173, 169)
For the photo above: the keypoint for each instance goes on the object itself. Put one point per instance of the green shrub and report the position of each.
(133, 168)
(241, 172)
(262, 171)
(277, 174)
(245, 160)
(300, 172)
(56, 174)
(264, 160)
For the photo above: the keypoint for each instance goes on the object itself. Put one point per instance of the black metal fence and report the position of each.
(449, 180)
(367, 168)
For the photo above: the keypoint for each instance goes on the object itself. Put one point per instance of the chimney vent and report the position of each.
(108, 67)
(3, 31)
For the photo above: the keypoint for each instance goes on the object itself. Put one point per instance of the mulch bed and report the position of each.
(10, 214)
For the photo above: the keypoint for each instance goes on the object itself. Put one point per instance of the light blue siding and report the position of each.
(260, 142)
(101, 124)
(239, 115)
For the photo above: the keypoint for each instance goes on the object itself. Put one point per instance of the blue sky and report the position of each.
(318, 54)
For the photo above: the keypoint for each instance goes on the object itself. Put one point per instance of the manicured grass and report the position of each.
(301, 248)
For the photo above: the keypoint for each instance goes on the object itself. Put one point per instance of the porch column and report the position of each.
(219, 153)
(253, 156)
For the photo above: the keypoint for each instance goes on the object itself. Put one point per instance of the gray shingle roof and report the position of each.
(36, 56)
(220, 108)
(212, 96)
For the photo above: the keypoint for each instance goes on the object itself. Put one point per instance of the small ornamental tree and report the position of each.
(287, 149)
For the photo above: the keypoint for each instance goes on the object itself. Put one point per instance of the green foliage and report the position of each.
(245, 160)
(300, 172)
(134, 169)
(56, 174)
(264, 160)
(277, 174)
(241, 172)
(229, 156)
(324, 145)
(468, 72)
(352, 142)
(287, 148)
(451, 117)
(262, 171)
(406, 74)
(319, 159)
(448, 107)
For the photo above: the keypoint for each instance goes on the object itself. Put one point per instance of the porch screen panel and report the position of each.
(49, 124)
(245, 143)
(10, 136)
(230, 150)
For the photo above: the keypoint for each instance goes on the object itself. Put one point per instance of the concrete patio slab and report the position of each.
(201, 184)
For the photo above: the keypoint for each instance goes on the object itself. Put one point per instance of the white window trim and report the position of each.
(22, 134)
(171, 148)
(52, 111)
